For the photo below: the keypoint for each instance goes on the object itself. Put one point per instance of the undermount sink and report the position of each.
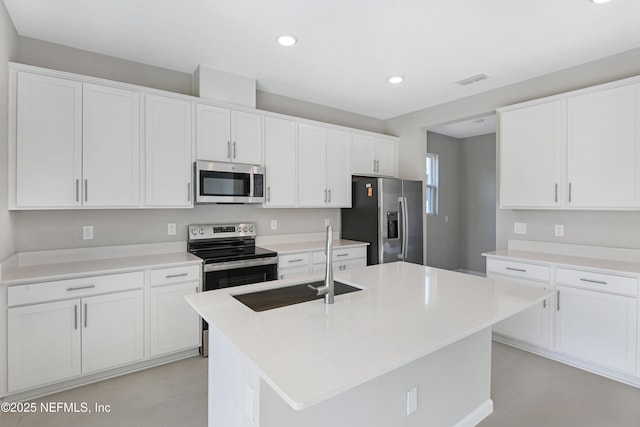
(288, 295)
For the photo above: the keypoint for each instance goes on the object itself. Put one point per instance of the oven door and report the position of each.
(235, 273)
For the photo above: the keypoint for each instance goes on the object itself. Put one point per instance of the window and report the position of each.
(432, 184)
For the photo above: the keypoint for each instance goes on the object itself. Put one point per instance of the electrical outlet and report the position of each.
(274, 224)
(412, 400)
(559, 230)
(87, 232)
(171, 229)
(520, 227)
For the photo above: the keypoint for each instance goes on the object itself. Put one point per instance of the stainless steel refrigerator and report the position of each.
(387, 213)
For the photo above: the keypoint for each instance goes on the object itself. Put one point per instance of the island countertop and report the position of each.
(311, 351)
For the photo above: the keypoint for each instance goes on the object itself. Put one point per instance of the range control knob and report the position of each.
(194, 231)
(244, 228)
(201, 231)
(251, 228)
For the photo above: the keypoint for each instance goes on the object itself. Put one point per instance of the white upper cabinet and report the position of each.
(228, 136)
(603, 144)
(111, 147)
(49, 131)
(578, 150)
(281, 162)
(373, 156)
(324, 174)
(168, 148)
(530, 156)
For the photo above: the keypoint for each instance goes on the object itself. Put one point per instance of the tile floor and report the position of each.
(527, 390)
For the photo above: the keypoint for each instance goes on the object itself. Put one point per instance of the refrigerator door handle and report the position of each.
(404, 217)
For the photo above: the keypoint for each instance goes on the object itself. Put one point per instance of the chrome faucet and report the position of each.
(328, 289)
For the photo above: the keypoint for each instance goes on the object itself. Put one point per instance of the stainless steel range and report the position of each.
(231, 258)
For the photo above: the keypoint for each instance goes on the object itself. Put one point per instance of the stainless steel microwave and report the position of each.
(219, 182)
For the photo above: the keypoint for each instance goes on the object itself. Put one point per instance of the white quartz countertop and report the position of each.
(605, 265)
(313, 245)
(15, 273)
(311, 351)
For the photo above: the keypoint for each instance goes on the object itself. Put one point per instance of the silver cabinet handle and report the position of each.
(521, 270)
(75, 316)
(544, 303)
(85, 315)
(556, 196)
(268, 193)
(234, 149)
(295, 260)
(329, 191)
(188, 192)
(77, 288)
(86, 189)
(374, 165)
(377, 165)
(77, 190)
(599, 282)
(569, 192)
(229, 149)
(325, 195)
(558, 301)
(339, 255)
(172, 276)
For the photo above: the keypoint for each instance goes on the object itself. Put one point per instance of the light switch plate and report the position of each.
(87, 232)
(412, 400)
(274, 224)
(520, 227)
(171, 229)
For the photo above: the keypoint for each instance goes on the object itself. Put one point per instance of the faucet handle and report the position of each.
(321, 290)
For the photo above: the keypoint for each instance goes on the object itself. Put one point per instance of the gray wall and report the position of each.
(443, 237)
(39, 230)
(465, 225)
(595, 228)
(477, 200)
(8, 41)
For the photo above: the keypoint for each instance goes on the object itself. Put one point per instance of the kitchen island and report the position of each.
(413, 337)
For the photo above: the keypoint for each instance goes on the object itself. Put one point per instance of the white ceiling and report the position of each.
(467, 128)
(346, 48)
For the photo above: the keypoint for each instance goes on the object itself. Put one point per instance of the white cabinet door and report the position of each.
(531, 325)
(280, 162)
(173, 323)
(289, 272)
(338, 173)
(362, 155)
(246, 138)
(213, 133)
(43, 343)
(168, 141)
(49, 141)
(111, 147)
(312, 166)
(386, 156)
(112, 330)
(597, 327)
(530, 156)
(603, 148)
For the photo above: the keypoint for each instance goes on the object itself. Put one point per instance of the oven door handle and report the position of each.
(232, 265)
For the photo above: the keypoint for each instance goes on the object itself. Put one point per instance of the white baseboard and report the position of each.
(477, 415)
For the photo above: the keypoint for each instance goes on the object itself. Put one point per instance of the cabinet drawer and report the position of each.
(73, 288)
(340, 254)
(293, 260)
(341, 265)
(287, 273)
(519, 269)
(175, 274)
(598, 281)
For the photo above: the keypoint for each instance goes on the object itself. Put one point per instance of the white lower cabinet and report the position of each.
(533, 324)
(313, 262)
(597, 327)
(174, 325)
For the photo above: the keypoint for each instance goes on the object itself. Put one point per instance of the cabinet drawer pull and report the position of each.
(521, 270)
(77, 288)
(339, 255)
(85, 315)
(75, 316)
(599, 282)
(173, 276)
(558, 301)
(295, 260)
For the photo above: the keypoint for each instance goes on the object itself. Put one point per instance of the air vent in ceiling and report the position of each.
(472, 79)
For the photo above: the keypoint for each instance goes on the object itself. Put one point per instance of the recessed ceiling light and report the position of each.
(287, 40)
(395, 80)
(600, 1)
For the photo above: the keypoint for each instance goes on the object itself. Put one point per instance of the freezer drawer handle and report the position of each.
(77, 288)
(521, 270)
(599, 282)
